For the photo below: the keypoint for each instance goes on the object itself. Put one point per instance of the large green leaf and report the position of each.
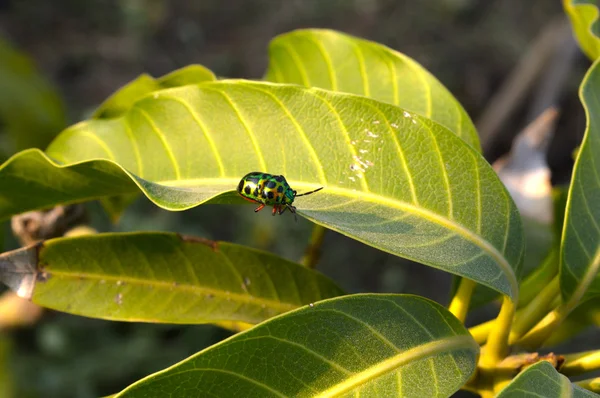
(580, 249)
(584, 20)
(160, 277)
(542, 380)
(31, 110)
(339, 62)
(393, 179)
(122, 100)
(367, 345)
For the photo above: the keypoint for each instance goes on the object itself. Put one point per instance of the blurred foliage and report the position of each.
(31, 111)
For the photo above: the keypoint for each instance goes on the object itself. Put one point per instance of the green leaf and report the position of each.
(30, 108)
(122, 100)
(368, 345)
(580, 248)
(160, 277)
(584, 21)
(339, 62)
(542, 380)
(394, 180)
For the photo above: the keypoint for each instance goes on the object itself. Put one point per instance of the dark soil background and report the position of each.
(88, 49)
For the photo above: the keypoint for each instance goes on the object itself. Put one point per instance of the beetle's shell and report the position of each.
(266, 189)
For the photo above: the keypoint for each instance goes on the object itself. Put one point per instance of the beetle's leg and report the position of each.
(293, 210)
(259, 208)
(275, 208)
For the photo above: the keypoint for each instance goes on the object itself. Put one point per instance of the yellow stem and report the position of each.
(459, 306)
(544, 328)
(580, 363)
(312, 253)
(497, 343)
(590, 384)
(481, 332)
(529, 315)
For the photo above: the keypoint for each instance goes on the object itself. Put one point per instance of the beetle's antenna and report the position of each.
(308, 193)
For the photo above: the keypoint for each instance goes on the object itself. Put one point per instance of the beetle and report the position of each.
(269, 190)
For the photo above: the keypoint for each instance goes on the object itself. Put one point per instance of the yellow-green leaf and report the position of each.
(368, 345)
(580, 248)
(160, 277)
(392, 179)
(340, 62)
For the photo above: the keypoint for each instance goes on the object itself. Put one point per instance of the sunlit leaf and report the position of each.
(542, 380)
(580, 250)
(160, 277)
(122, 100)
(339, 62)
(393, 179)
(31, 110)
(584, 21)
(368, 345)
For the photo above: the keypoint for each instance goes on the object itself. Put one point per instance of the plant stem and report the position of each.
(481, 332)
(590, 384)
(581, 362)
(534, 311)
(543, 274)
(313, 250)
(538, 335)
(460, 302)
(497, 343)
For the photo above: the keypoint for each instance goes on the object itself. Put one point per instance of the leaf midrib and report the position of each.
(201, 290)
(414, 354)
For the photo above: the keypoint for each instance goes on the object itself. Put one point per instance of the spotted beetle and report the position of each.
(269, 190)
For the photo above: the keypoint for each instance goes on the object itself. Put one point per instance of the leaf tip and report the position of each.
(19, 270)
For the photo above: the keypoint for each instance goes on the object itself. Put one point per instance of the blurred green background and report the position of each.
(85, 50)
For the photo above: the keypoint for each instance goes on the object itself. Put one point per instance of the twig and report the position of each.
(46, 224)
(313, 250)
(520, 81)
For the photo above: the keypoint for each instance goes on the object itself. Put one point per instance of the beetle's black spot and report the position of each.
(279, 179)
(280, 189)
(271, 184)
(240, 186)
(270, 195)
(255, 193)
(264, 195)
(247, 190)
(278, 198)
